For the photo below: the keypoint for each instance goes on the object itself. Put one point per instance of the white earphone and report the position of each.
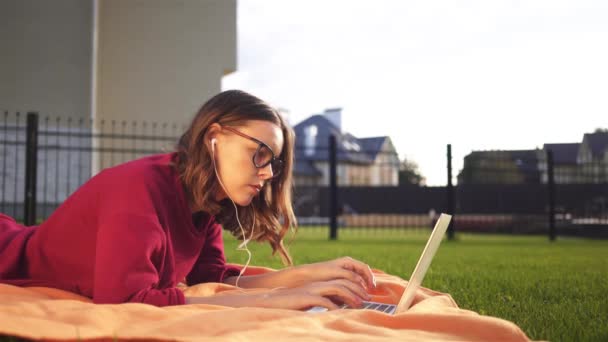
(243, 245)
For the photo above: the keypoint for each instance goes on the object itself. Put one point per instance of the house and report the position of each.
(573, 163)
(360, 161)
(576, 163)
(565, 166)
(501, 167)
(593, 157)
(594, 148)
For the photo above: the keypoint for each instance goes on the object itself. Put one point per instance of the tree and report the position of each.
(409, 173)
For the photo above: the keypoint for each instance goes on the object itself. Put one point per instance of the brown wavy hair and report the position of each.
(273, 209)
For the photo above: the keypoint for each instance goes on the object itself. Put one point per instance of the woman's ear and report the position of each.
(213, 140)
(212, 135)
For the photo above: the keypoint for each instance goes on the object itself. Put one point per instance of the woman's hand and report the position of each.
(343, 268)
(328, 294)
(355, 272)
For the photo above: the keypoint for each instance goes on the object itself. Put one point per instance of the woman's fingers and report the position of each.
(324, 302)
(355, 283)
(343, 294)
(328, 294)
(362, 269)
(344, 290)
(351, 276)
(356, 289)
(297, 298)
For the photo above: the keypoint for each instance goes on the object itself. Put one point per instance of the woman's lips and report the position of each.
(255, 188)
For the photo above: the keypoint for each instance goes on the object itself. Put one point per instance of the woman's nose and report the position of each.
(266, 172)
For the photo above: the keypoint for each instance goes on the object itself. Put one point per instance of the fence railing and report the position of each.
(337, 185)
(43, 161)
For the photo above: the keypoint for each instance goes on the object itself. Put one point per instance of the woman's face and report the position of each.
(234, 158)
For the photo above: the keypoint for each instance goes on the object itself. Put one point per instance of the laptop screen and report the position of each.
(424, 262)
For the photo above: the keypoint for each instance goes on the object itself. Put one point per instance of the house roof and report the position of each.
(372, 145)
(563, 153)
(510, 154)
(598, 143)
(306, 168)
(350, 148)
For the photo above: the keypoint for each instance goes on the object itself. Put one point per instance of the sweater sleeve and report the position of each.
(128, 250)
(211, 263)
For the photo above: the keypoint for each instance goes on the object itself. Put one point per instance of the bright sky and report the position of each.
(480, 75)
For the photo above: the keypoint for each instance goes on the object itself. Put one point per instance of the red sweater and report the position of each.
(127, 235)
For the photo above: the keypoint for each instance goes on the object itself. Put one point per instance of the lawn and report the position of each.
(555, 291)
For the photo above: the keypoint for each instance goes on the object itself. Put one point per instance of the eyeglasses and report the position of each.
(263, 155)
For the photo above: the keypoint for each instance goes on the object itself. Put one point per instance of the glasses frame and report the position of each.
(261, 144)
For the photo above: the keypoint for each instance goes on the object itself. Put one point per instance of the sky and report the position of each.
(480, 75)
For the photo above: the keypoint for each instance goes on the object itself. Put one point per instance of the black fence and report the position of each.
(340, 183)
(513, 192)
(43, 161)
(527, 192)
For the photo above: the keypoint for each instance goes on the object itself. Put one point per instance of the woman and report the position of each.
(134, 231)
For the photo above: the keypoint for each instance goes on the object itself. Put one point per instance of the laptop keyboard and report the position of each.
(386, 308)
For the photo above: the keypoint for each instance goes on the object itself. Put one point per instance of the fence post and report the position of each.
(450, 194)
(31, 160)
(333, 189)
(551, 185)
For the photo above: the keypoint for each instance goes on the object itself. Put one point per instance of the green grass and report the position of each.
(555, 291)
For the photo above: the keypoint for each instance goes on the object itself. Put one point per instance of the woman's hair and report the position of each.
(273, 211)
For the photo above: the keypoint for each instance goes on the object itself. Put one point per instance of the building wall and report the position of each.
(385, 170)
(584, 154)
(160, 60)
(154, 60)
(379, 174)
(45, 64)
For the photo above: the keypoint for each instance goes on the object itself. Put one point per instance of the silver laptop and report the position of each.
(416, 279)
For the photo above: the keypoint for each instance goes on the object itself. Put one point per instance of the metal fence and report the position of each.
(500, 193)
(345, 187)
(527, 192)
(63, 154)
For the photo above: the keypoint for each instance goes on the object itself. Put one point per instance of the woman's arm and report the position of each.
(343, 268)
(287, 277)
(326, 294)
(125, 267)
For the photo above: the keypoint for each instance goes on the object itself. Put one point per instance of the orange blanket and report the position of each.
(45, 313)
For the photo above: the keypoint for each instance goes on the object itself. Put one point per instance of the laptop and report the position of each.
(415, 280)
